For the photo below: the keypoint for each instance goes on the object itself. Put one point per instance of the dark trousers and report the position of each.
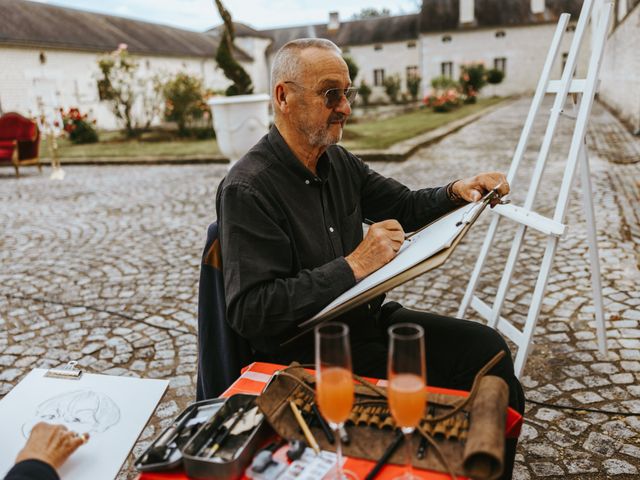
(455, 351)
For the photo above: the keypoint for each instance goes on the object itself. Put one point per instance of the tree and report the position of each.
(364, 91)
(392, 87)
(242, 84)
(352, 66)
(125, 90)
(413, 86)
(371, 13)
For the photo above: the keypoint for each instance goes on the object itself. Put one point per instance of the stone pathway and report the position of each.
(103, 267)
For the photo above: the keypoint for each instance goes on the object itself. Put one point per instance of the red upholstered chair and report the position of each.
(19, 141)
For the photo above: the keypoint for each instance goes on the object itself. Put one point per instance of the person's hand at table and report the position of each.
(379, 247)
(474, 188)
(51, 444)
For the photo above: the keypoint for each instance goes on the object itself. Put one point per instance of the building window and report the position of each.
(378, 77)
(571, 28)
(377, 47)
(43, 58)
(446, 38)
(565, 55)
(147, 64)
(500, 63)
(501, 34)
(104, 90)
(446, 69)
(412, 71)
(411, 44)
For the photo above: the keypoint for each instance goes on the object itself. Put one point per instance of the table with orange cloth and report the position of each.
(255, 377)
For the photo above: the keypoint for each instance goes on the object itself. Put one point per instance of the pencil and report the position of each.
(305, 428)
(407, 236)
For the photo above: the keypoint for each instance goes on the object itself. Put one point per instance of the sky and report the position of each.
(200, 15)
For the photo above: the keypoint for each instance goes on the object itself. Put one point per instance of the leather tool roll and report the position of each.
(484, 451)
(454, 436)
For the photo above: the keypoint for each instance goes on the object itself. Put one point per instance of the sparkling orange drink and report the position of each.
(335, 394)
(407, 399)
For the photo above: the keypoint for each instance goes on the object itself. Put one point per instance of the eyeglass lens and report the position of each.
(334, 96)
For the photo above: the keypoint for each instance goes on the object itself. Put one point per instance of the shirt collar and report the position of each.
(287, 157)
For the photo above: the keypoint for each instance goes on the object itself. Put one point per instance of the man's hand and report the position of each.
(52, 444)
(379, 247)
(474, 188)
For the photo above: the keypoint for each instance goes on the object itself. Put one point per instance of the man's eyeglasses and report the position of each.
(333, 96)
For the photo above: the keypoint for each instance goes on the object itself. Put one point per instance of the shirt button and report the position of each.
(307, 182)
(331, 229)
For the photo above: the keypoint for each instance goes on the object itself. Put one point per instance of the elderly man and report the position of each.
(290, 214)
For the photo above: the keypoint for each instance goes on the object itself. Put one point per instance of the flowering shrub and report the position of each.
(473, 76)
(185, 103)
(443, 100)
(79, 127)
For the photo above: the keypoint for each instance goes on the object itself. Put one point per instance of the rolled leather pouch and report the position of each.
(483, 457)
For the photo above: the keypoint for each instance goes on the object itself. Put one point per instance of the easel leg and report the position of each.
(534, 308)
(587, 197)
(477, 270)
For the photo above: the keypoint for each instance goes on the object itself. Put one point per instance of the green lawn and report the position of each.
(112, 145)
(367, 135)
(384, 133)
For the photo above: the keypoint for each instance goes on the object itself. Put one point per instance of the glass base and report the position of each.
(346, 475)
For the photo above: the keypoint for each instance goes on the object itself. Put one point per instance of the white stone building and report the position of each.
(41, 56)
(51, 53)
(620, 71)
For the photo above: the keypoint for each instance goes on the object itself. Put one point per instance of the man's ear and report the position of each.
(280, 96)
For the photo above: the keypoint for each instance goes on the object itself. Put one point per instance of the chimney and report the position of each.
(467, 12)
(537, 7)
(334, 21)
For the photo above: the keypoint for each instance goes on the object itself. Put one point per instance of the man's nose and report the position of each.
(344, 106)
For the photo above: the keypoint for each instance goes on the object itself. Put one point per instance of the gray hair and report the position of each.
(286, 63)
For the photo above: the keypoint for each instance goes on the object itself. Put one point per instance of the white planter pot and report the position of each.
(239, 121)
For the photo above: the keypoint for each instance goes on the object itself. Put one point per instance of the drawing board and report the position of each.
(113, 410)
(424, 244)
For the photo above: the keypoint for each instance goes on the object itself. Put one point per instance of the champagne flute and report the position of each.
(407, 394)
(334, 381)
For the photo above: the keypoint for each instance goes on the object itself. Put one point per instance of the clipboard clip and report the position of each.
(492, 198)
(68, 371)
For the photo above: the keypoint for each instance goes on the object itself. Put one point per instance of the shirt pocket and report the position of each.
(351, 228)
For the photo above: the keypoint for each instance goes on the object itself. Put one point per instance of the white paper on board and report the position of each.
(423, 245)
(113, 410)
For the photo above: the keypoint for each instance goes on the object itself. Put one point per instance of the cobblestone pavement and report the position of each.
(102, 268)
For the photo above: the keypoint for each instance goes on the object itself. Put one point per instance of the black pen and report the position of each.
(225, 434)
(323, 424)
(385, 456)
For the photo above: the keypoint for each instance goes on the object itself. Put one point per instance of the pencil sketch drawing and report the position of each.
(83, 411)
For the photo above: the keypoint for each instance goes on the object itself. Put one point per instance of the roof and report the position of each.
(41, 25)
(356, 32)
(241, 30)
(440, 15)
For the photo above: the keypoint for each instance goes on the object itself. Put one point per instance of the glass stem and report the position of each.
(408, 452)
(336, 430)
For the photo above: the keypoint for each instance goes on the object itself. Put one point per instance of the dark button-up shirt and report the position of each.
(285, 232)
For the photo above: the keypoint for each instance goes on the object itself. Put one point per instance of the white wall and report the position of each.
(258, 70)
(69, 79)
(620, 71)
(394, 58)
(525, 49)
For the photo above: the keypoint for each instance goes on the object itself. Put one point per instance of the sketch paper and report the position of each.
(424, 244)
(113, 410)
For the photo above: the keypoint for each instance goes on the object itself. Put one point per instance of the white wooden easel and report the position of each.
(554, 227)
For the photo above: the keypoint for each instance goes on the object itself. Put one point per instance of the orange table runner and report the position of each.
(255, 377)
